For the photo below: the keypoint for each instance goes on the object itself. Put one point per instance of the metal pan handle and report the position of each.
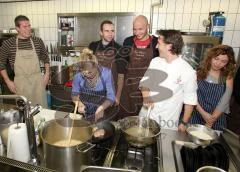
(83, 148)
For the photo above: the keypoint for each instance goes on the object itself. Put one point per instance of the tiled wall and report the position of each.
(186, 15)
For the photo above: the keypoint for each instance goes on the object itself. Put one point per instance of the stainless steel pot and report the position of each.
(68, 158)
(6, 119)
(59, 75)
(141, 138)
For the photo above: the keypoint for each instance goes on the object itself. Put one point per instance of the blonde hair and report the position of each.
(87, 56)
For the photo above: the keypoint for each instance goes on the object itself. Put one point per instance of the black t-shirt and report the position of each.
(97, 45)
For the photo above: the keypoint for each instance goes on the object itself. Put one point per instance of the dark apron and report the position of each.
(107, 59)
(92, 99)
(209, 95)
(131, 100)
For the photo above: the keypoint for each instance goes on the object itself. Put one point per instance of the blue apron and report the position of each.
(209, 95)
(92, 99)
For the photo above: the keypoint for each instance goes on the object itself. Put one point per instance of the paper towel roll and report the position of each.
(18, 146)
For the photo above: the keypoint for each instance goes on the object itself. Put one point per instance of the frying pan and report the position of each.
(109, 131)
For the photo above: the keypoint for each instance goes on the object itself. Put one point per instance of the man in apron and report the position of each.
(138, 51)
(24, 53)
(179, 87)
(106, 51)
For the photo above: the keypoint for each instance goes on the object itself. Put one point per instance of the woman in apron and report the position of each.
(93, 87)
(215, 84)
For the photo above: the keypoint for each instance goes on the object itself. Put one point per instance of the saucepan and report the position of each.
(201, 134)
(139, 131)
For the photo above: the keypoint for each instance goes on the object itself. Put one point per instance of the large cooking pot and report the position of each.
(66, 158)
(139, 131)
(6, 119)
(59, 75)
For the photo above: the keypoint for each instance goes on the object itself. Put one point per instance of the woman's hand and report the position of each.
(81, 108)
(99, 113)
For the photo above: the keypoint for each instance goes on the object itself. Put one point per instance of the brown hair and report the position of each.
(105, 22)
(227, 71)
(173, 37)
(20, 18)
(87, 56)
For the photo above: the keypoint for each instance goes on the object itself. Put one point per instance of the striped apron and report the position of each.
(92, 99)
(209, 95)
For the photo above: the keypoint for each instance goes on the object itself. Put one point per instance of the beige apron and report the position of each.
(28, 78)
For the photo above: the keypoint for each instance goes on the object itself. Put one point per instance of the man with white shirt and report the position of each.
(167, 95)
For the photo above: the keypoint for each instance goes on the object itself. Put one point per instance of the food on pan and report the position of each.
(201, 135)
(99, 133)
(139, 132)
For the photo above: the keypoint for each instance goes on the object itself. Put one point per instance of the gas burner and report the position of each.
(134, 159)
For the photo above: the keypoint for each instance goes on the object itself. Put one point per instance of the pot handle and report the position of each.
(83, 148)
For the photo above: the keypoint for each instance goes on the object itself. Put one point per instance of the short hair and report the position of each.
(20, 18)
(173, 37)
(105, 22)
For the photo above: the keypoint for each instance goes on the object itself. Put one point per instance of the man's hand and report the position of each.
(182, 128)
(81, 108)
(45, 79)
(117, 100)
(148, 102)
(11, 86)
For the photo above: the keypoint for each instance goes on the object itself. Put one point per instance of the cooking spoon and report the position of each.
(71, 128)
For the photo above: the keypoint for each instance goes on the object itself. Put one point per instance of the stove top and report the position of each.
(145, 159)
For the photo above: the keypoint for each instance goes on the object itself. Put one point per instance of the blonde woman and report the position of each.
(93, 87)
(215, 84)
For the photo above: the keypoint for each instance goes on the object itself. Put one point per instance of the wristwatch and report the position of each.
(184, 123)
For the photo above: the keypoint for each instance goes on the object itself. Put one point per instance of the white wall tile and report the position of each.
(169, 21)
(100, 5)
(39, 7)
(224, 6)
(18, 9)
(35, 20)
(46, 32)
(186, 21)
(227, 37)
(235, 40)
(131, 6)
(179, 6)
(1, 10)
(34, 7)
(69, 7)
(195, 21)
(171, 6)
(230, 21)
(51, 7)
(161, 21)
(45, 6)
(205, 6)
(40, 21)
(124, 5)
(203, 17)
(178, 21)
(23, 7)
(215, 4)
(237, 24)
(52, 35)
(52, 20)
(41, 33)
(233, 6)
(63, 6)
(117, 6)
(110, 6)
(146, 6)
(188, 6)
(29, 7)
(46, 20)
(196, 6)
(82, 5)
(57, 6)
(155, 20)
(76, 6)
(88, 6)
